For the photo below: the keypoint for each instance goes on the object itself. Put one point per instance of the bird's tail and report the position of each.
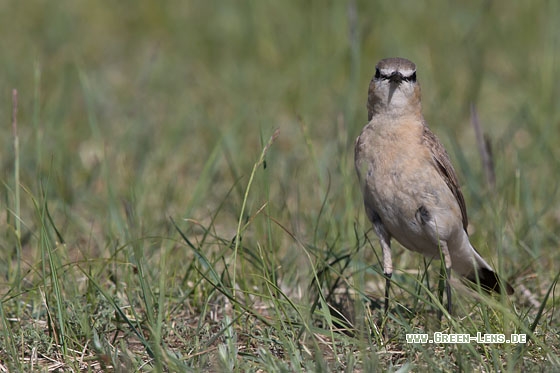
(490, 281)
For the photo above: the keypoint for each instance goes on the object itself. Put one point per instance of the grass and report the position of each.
(178, 190)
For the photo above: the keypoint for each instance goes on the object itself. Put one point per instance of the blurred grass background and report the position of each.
(132, 113)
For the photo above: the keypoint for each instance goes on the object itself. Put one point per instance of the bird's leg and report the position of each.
(385, 242)
(441, 285)
(444, 277)
(387, 287)
(387, 271)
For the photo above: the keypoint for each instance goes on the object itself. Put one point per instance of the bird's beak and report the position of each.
(396, 77)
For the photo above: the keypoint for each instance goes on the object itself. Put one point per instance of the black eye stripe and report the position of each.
(411, 78)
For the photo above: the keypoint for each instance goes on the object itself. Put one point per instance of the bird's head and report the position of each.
(394, 87)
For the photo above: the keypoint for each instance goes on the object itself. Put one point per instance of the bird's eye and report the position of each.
(411, 78)
(377, 73)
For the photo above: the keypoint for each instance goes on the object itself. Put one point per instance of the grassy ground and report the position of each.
(178, 190)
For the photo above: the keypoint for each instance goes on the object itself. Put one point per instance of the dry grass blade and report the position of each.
(484, 149)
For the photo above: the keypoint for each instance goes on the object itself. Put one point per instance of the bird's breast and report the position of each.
(400, 181)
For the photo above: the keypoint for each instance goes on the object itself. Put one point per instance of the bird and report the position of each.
(410, 189)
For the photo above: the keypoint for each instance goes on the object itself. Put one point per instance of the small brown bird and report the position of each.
(410, 188)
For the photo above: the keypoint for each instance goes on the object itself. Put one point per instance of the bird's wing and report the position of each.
(445, 169)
